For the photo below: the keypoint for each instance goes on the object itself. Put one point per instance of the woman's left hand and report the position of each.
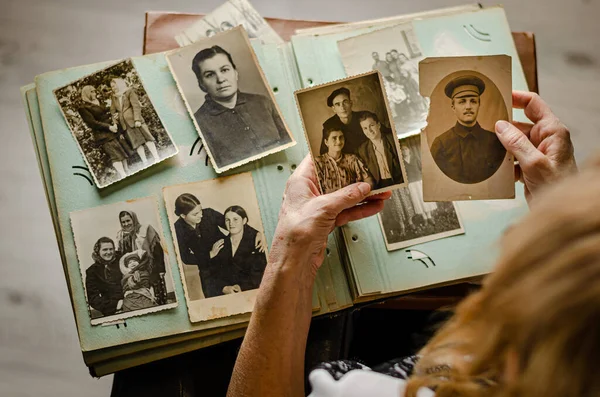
(137, 124)
(307, 217)
(260, 242)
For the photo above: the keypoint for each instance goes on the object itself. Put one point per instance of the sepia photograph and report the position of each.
(221, 247)
(230, 14)
(229, 99)
(463, 158)
(114, 123)
(350, 134)
(406, 219)
(395, 53)
(124, 267)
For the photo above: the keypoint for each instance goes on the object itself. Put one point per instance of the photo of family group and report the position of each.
(220, 243)
(124, 269)
(395, 53)
(350, 134)
(408, 220)
(229, 99)
(114, 123)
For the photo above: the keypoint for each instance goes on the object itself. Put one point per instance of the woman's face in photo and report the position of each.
(335, 142)
(127, 223)
(194, 216)
(107, 251)
(234, 222)
(219, 77)
(114, 86)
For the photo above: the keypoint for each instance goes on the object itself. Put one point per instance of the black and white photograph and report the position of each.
(124, 267)
(350, 134)
(406, 219)
(220, 243)
(229, 99)
(114, 123)
(227, 16)
(395, 53)
(463, 158)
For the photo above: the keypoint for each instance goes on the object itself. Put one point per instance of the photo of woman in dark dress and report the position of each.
(103, 280)
(98, 118)
(239, 261)
(200, 238)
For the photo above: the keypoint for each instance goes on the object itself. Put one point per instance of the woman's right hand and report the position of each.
(543, 149)
(216, 248)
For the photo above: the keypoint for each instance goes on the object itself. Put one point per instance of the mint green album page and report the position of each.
(72, 192)
(375, 270)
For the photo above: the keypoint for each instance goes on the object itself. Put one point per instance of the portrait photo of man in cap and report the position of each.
(466, 152)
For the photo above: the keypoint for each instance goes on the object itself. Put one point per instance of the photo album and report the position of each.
(164, 173)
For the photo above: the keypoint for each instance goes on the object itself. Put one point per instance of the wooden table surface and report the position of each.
(39, 350)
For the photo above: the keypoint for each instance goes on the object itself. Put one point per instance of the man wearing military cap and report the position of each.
(466, 152)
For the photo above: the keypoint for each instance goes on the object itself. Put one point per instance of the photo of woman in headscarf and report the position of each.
(240, 263)
(105, 133)
(127, 111)
(134, 236)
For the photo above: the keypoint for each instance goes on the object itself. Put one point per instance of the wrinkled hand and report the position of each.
(113, 128)
(216, 248)
(543, 149)
(307, 217)
(260, 242)
(137, 124)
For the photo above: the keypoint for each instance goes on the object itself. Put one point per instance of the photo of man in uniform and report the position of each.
(235, 125)
(344, 119)
(466, 152)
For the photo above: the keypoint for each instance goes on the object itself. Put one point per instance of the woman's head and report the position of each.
(89, 94)
(188, 208)
(128, 220)
(333, 138)
(533, 329)
(235, 219)
(118, 85)
(104, 250)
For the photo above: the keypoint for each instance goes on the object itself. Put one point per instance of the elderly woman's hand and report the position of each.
(543, 149)
(307, 217)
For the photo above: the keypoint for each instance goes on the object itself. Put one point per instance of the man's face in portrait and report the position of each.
(342, 106)
(375, 56)
(466, 109)
(371, 128)
(219, 77)
(394, 54)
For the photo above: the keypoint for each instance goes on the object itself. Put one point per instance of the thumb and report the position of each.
(344, 198)
(517, 143)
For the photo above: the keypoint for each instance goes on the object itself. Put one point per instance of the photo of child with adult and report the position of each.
(129, 274)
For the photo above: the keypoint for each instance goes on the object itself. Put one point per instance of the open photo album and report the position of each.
(164, 173)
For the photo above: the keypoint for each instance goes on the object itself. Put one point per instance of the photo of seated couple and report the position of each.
(352, 139)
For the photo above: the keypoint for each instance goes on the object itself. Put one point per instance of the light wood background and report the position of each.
(39, 350)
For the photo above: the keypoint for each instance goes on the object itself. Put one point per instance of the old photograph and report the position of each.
(395, 53)
(230, 14)
(229, 99)
(114, 123)
(124, 267)
(350, 134)
(406, 219)
(221, 248)
(463, 158)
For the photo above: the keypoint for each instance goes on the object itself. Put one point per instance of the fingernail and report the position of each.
(502, 126)
(364, 188)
